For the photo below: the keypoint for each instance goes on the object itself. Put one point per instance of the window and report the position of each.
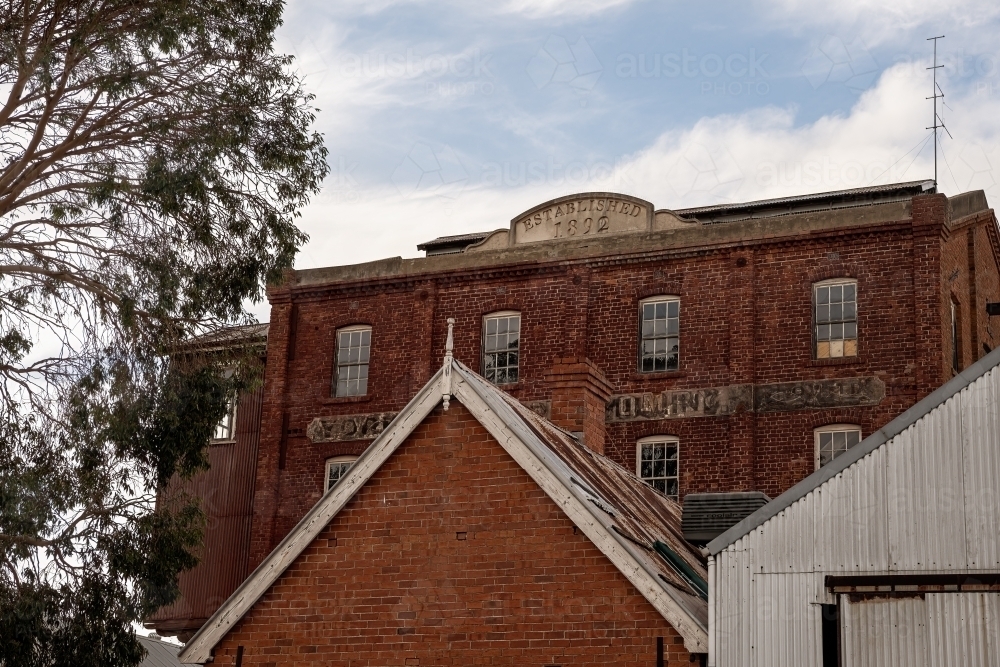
(656, 461)
(501, 347)
(836, 318)
(834, 440)
(225, 430)
(659, 334)
(336, 468)
(956, 366)
(353, 347)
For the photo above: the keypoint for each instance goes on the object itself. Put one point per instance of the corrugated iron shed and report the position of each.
(919, 497)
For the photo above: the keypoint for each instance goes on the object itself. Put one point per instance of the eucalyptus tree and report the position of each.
(154, 155)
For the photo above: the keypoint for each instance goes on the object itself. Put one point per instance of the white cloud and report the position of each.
(759, 154)
(881, 22)
(541, 9)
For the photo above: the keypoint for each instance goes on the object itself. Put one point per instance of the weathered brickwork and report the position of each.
(451, 555)
(746, 320)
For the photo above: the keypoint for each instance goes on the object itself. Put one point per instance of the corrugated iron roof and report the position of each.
(244, 333)
(470, 238)
(159, 653)
(639, 514)
(820, 201)
(858, 452)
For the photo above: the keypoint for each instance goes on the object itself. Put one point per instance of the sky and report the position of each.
(447, 117)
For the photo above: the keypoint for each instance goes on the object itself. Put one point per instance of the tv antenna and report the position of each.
(938, 121)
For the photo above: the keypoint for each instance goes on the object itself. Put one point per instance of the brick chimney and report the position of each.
(579, 395)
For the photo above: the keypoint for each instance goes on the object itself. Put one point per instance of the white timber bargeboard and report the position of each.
(582, 514)
(520, 443)
(198, 650)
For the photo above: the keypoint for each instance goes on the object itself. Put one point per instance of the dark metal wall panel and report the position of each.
(226, 491)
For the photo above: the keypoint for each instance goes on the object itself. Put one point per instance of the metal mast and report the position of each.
(937, 122)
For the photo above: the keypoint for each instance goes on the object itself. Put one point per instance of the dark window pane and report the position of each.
(672, 308)
(661, 310)
(822, 295)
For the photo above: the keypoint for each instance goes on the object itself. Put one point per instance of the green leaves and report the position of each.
(154, 155)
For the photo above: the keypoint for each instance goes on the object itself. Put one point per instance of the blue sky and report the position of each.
(447, 117)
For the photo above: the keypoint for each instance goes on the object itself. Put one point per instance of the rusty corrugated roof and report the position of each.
(639, 514)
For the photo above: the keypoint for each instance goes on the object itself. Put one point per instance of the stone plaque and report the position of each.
(583, 216)
(815, 394)
(722, 401)
(348, 427)
(714, 402)
(540, 408)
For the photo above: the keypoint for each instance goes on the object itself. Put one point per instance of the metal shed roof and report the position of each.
(159, 653)
(858, 452)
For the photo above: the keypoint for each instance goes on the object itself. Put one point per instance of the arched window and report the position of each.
(835, 317)
(336, 468)
(659, 334)
(833, 440)
(353, 351)
(656, 462)
(501, 346)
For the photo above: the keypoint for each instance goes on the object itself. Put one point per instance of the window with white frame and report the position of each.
(501, 347)
(834, 440)
(656, 463)
(336, 468)
(836, 318)
(659, 334)
(225, 430)
(353, 351)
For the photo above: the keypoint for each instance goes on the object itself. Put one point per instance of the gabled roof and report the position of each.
(633, 525)
(858, 452)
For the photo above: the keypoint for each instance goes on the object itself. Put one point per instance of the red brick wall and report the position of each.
(451, 555)
(745, 318)
(987, 282)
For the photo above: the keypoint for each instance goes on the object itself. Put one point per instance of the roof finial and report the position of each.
(449, 346)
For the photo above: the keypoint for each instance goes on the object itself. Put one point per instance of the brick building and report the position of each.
(472, 531)
(716, 349)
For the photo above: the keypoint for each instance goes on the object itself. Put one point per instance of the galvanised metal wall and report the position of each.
(926, 501)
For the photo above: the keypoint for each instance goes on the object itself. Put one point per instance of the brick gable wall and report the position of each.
(451, 555)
